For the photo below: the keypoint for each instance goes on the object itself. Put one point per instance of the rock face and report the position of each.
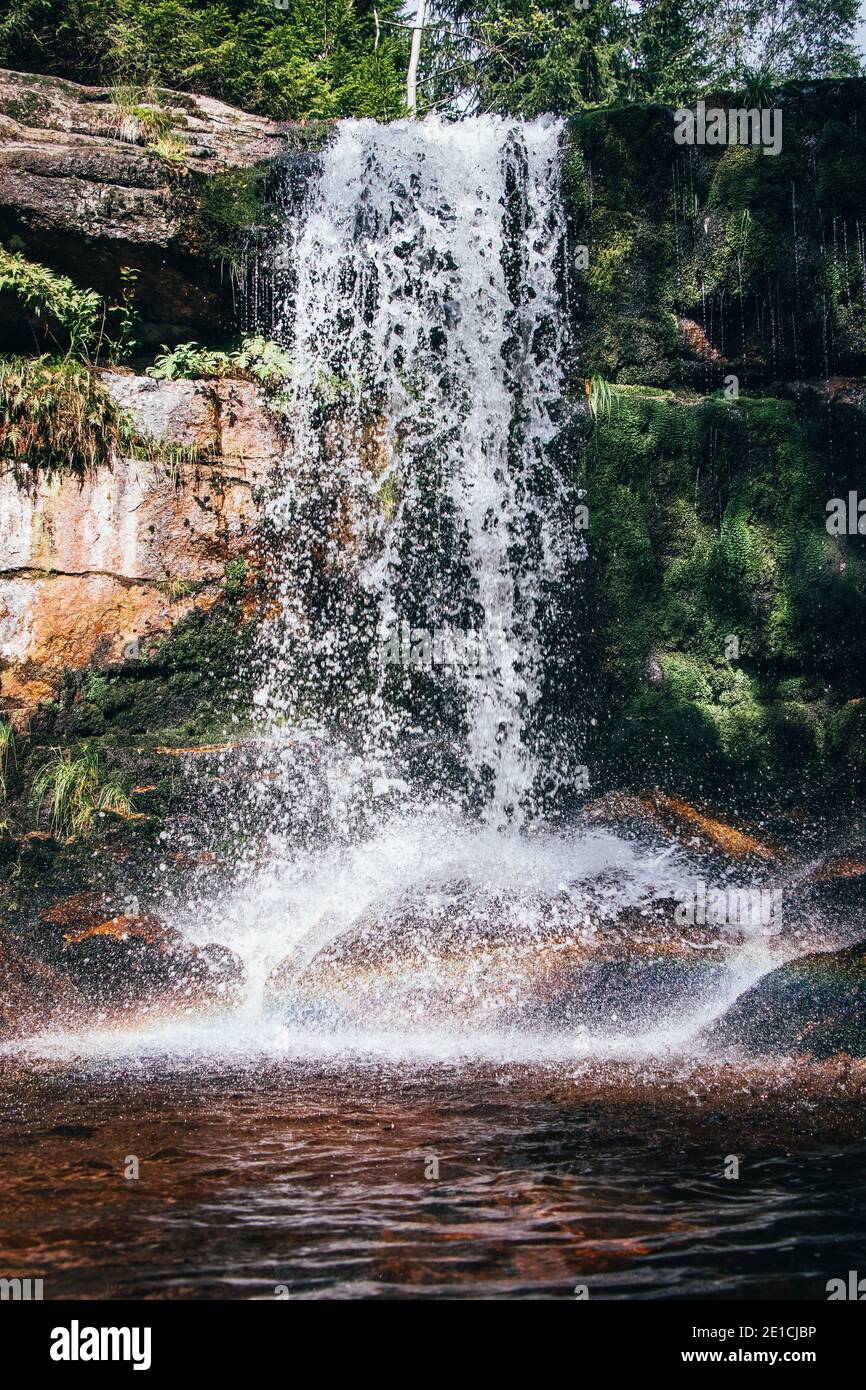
(225, 418)
(699, 260)
(94, 569)
(814, 1006)
(479, 966)
(675, 817)
(84, 188)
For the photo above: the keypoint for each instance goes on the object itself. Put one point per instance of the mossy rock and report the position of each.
(191, 681)
(815, 1005)
(724, 238)
(726, 617)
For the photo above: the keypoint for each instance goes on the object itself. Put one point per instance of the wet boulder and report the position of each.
(33, 995)
(453, 961)
(812, 1006)
(134, 963)
(696, 830)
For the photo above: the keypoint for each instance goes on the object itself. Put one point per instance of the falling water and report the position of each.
(429, 347)
(420, 691)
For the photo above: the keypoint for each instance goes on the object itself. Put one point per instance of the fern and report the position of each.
(55, 297)
(58, 415)
(257, 358)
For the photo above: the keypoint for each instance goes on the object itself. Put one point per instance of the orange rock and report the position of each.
(84, 562)
(684, 822)
(175, 752)
(248, 430)
(837, 866)
(50, 623)
(80, 911)
(139, 520)
(680, 818)
(125, 927)
(697, 341)
(448, 965)
(136, 965)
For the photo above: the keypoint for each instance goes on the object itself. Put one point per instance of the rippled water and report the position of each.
(310, 1173)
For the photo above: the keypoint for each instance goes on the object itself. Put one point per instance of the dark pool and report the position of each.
(362, 1178)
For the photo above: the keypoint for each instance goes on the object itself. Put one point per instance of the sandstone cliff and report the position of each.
(93, 569)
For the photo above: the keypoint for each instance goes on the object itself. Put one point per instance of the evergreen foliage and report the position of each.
(320, 59)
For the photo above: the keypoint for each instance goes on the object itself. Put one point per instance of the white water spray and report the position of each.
(428, 338)
(425, 494)
(405, 890)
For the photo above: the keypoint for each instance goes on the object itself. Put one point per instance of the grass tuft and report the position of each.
(58, 416)
(71, 790)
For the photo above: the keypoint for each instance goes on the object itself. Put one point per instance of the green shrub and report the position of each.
(54, 298)
(258, 358)
(74, 319)
(58, 415)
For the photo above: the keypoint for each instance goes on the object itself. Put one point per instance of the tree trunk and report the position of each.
(414, 55)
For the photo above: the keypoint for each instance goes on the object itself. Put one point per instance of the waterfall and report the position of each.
(417, 866)
(425, 536)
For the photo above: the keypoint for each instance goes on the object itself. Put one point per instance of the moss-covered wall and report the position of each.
(706, 260)
(730, 631)
(184, 687)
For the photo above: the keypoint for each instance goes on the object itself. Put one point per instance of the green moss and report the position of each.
(727, 617)
(224, 212)
(684, 678)
(187, 686)
(235, 578)
(761, 254)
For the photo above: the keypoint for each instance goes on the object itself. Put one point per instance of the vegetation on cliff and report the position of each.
(326, 58)
(58, 415)
(85, 790)
(709, 260)
(728, 618)
(70, 319)
(304, 59)
(259, 358)
(70, 790)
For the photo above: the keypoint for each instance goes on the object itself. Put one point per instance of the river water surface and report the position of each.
(364, 1176)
